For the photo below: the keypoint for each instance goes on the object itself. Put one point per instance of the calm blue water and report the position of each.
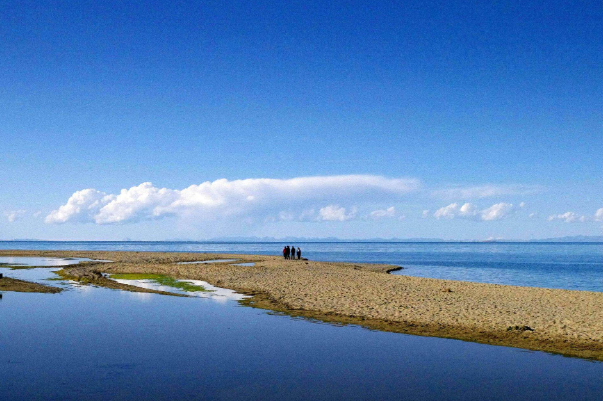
(98, 344)
(551, 265)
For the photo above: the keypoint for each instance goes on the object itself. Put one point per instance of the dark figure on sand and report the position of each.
(289, 252)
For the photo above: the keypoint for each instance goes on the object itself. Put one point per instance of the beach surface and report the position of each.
(552, 320)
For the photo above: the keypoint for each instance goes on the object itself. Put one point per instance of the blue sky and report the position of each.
(433, 104)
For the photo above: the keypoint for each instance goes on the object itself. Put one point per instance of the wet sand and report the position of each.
(559, 321)
(11, 284)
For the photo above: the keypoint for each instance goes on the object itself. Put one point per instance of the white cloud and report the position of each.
(447, 212)
(81, 206)
(226, 198)
(14, 215)
(568, 217)
(571, 217)
(497, 211)
(470, 211)
(486, 191)
(533, 215)
(383, 213)
(425, 214)
(336, 213)
(144, 202)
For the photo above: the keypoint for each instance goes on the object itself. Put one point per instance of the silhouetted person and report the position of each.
(292, 252)
(298, 253)
(285, 252)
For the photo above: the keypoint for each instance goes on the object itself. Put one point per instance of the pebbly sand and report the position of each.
(559, 321)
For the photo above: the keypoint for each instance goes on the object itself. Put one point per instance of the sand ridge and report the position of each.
(562, 321)
(11, 284)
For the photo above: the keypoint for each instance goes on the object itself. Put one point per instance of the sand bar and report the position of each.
(11, 284)
(560, 321)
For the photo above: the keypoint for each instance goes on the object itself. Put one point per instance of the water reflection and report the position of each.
(42, 270)
(44, 276)
(39, 261)
(212, 292)
(137, 296)
(47, 276)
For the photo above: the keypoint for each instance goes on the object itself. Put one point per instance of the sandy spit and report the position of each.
(11, 284)
(559, 321)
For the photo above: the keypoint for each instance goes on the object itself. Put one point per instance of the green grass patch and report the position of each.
(161, 280)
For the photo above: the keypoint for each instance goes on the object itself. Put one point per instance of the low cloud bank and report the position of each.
(486, 191)
(470, 211)
(336, 213)
(229, 198)
(383, 213)
(568, 217)
(572, 217)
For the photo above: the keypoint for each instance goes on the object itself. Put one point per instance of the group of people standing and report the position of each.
(289, 252)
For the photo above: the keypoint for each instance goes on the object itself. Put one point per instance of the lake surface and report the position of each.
(575, 266)
(97, 344)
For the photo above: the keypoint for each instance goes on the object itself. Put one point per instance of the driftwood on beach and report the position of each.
(560, 321)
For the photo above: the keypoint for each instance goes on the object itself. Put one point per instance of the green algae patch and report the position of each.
(57, 278)
(161, 280)
(86, 276)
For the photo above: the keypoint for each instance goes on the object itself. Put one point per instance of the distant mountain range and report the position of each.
(576, 238)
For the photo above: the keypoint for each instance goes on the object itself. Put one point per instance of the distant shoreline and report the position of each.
(558, 321)
(309, 241)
